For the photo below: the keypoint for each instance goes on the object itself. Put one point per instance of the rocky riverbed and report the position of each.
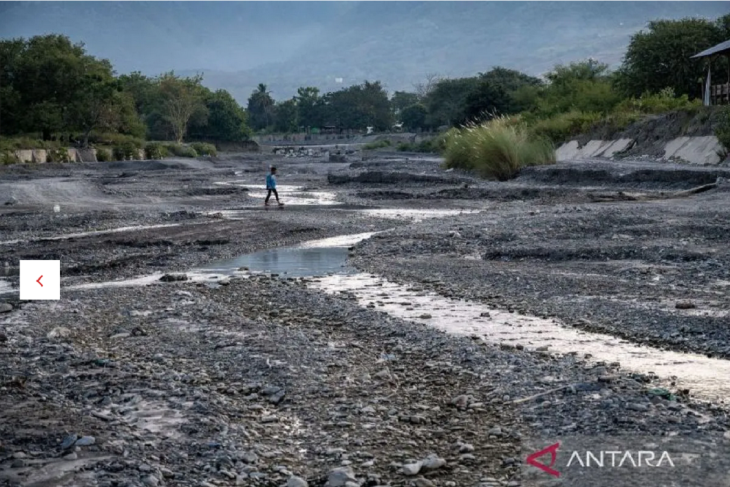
(267, 380)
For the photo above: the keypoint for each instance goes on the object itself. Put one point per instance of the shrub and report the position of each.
(103, 155)
(57, 155)
(722, 130)
(7, 158)
(155, 150)
(377, 144)
(25, 143)
(497, 149)
(662, 102)
(113, 139)
(560, 127)
(204, 149)
(423, 146)
(127, 150)
(181, 150)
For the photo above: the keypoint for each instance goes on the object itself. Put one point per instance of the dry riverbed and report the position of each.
(234, 377)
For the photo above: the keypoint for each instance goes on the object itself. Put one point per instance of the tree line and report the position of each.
(53, 87)
(657, 62)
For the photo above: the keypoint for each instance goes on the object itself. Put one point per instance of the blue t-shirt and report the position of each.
(270, 181)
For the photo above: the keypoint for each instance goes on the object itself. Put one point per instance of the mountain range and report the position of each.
(237, 45)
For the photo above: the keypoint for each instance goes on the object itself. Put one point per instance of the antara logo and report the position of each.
(601, 459)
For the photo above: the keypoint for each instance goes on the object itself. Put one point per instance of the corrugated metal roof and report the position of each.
(723, 46)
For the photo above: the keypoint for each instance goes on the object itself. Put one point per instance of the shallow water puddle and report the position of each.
(706, 378)
(311, 258)
(288, 194)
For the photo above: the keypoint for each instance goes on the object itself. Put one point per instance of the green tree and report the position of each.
(414, 117)
(659, 57)
(181, 99)
(261, 108)
(225, 121)
(584, 86)
(402, 100)
(286, 117)
(359, 106)
(484, 102)
(310, 106)
(446, 101)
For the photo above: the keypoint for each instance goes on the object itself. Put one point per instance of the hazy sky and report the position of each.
(291, 44)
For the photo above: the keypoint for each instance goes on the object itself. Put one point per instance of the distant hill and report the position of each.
(290, 44)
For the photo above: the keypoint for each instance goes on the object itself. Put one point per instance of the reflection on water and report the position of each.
(706, 378)
(310, 258)
(294, 262)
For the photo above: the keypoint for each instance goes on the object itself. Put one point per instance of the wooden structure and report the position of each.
(718, 94)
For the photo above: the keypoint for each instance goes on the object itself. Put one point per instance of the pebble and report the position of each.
(340, 477)
(151, 481)
(296, 482)
(71, 456)
(85, 441)
(6, 307)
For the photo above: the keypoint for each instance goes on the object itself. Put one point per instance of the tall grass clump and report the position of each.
(204, 149)
(497, 149)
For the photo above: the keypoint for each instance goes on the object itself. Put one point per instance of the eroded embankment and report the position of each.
(681, 136)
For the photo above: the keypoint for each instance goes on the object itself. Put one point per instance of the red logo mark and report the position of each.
(39, 281)
(552, 450)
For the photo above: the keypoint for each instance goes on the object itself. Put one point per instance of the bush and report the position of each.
(103, 155)
(662, 102)
(155, 150)
(423, 146)
(127, 150)
(722, 130)
(204, 149)
(497, 149)
(25, 143)
(114, 139)
(181, 150)
(560, 127)
(7, 158)
(57, 155)
(377, 144)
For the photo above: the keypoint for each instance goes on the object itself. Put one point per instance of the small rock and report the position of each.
(85, 441)
(151, 481)
(71, 456)
(68, 442)
(59, 332)
(340, 477)
(250, 457)
(411, 469)
(425, 316)
(296, 482)
(685, 305)
(6, 307)
(421, 482)
(496, 431)
(432, 462)
(174, 277)
(18, 463)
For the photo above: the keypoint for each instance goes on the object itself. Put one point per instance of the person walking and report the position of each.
(271, 187)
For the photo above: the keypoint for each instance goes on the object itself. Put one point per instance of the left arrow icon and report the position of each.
(39, 281)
